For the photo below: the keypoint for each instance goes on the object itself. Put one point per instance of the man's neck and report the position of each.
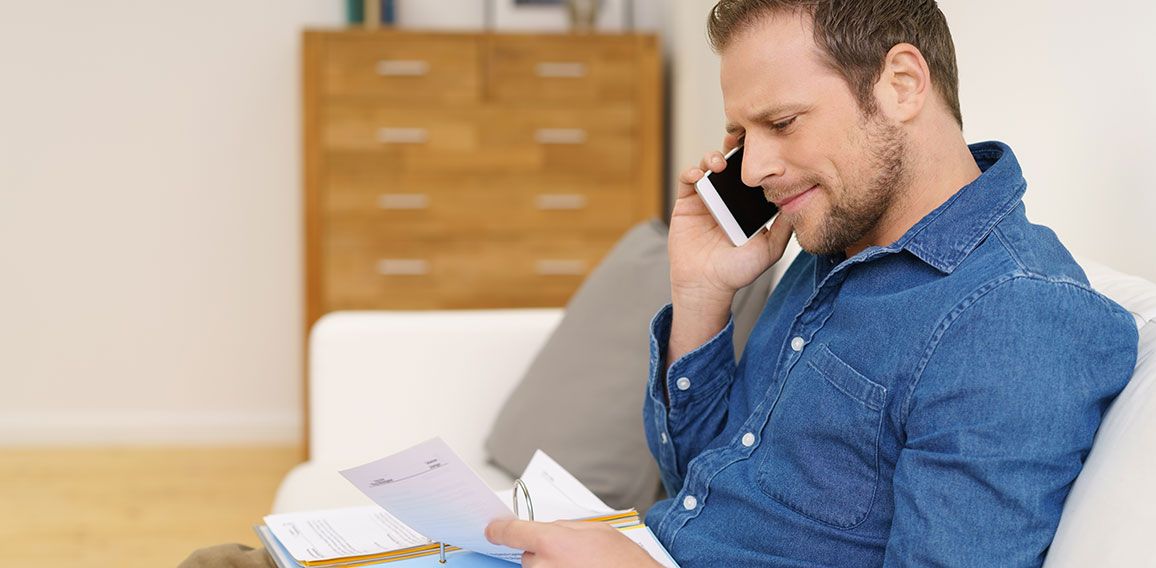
(939, 165)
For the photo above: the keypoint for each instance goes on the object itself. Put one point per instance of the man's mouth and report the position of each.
(794, 202)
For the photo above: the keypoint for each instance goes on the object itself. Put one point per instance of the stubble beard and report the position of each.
(858, 207)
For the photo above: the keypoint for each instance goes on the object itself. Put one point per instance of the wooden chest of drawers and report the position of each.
(472, 170)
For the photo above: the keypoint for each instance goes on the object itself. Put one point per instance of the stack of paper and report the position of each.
(353, 536)
(427, 495)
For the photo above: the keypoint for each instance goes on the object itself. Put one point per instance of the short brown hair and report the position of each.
(856, 35)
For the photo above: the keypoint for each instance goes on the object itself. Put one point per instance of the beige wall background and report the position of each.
(150, 180)
(149, 219)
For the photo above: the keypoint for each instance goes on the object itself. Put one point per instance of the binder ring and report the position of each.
(519, 485)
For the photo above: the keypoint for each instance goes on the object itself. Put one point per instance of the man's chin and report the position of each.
(807, 242)
(816, 242)
(812, 249)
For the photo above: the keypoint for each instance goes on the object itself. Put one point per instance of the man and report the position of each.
(925, 381)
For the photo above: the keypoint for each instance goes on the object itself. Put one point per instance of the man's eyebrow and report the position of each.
(767, 115)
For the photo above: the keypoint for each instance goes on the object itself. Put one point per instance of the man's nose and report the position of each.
(762, 159)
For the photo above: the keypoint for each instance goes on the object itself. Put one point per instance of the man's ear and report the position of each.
(905, 83)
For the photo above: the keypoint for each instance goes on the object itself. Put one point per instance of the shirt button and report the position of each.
(797, 344)
(682, 384)
(663, 437)
(689, 502)
(748, 439)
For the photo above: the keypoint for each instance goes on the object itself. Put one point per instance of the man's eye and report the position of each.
(783, 124)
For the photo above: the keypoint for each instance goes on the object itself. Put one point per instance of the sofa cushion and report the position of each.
(1109, 518)
(581, 399)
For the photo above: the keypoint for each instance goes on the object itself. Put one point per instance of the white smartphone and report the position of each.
(741, 210)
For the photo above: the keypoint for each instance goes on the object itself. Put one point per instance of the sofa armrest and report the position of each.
(381, 381)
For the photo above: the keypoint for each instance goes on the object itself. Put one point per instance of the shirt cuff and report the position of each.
(698, 374)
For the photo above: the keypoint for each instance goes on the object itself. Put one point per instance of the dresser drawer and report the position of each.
(388, 129)
(574, 141)
(527, 68)
(366, 196)
(415, 139)
(403, 67)
(451, 273)
(561, 140)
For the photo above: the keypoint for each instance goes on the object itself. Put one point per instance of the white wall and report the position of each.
(1072, 89)
(1071, 86)
(149, 219)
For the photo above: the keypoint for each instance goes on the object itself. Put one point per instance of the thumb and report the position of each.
(776, 238)
(523, 535)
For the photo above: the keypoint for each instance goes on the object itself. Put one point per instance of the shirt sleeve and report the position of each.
(697, 385)
(1013, 387)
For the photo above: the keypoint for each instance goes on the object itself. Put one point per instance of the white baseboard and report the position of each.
(145, 427)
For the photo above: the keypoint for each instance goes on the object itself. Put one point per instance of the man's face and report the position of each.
(834, 171)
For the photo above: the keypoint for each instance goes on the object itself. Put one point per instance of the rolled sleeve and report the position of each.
(696, 385)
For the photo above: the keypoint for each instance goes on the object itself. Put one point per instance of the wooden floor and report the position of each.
(132, 507)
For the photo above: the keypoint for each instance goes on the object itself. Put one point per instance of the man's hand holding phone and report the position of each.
(706, 268)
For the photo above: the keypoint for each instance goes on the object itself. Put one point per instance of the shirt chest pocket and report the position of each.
(820, 448)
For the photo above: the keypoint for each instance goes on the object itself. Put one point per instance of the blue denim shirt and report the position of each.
(928, 403)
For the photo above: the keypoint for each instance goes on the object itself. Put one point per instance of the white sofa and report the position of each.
(382, 381)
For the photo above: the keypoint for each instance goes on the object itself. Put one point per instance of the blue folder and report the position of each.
(455, 559)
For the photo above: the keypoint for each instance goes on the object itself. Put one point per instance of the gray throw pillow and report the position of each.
(581, 399)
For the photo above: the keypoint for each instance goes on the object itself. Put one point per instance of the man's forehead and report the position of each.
(775, 36)
(769, 66)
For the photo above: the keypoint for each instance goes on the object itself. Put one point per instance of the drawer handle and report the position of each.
(561, 267)
(402, 267)
(560, 136)
(403, 201)
(401, 68)
(402, 135)
(560, 70)
(561, 201)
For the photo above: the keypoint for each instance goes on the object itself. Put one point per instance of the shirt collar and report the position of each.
(945, 237)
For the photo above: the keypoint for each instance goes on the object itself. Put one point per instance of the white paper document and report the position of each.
(436, 494)
(555, 493)
(340, 533)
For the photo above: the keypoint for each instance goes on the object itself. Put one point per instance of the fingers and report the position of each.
(528, 535)
(686, 180)
(523, 535)
(582, 525)
(730, 142)
(711, 162)
(777, 237)
(568, 544)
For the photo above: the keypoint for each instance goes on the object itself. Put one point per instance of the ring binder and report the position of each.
(519, 485)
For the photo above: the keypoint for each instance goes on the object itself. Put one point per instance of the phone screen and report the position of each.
(747, 204)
